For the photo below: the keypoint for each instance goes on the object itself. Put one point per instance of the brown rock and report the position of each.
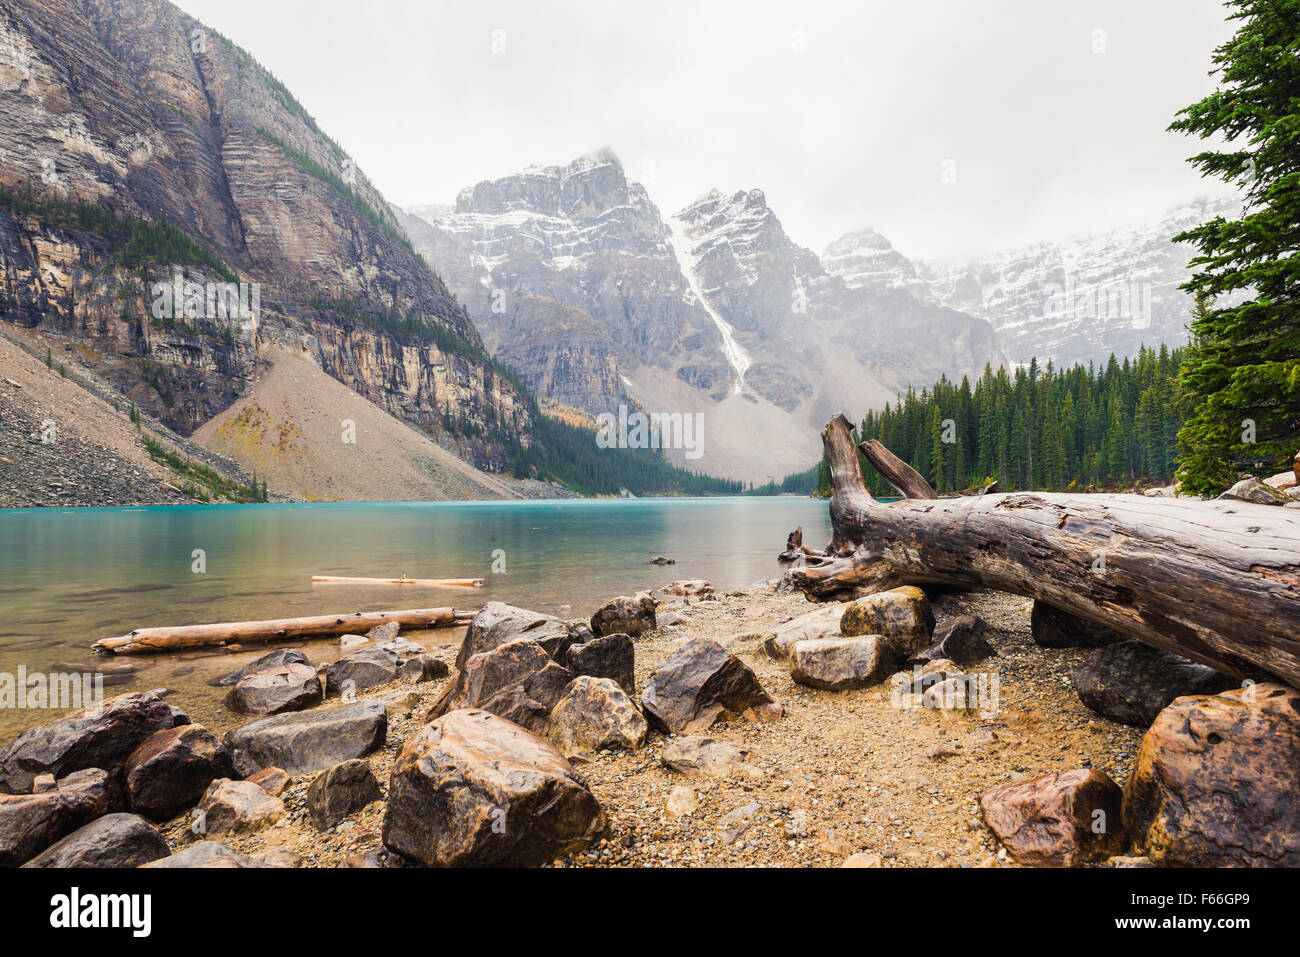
(698, 684)
(622, 615)
(29, 823)
(839, 664)
(271, 780)
(900, 615)
(1216, 781)
(1057, 820)
(237, 807)
(499, 624)
(474, 790)
(291, 687)
(694, 755)
(171, 770)
(595, 713)
(613, 656)
(822, 623)
(336, 793)
(517, 681)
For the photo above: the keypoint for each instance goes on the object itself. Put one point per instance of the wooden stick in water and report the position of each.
(144, 641)
(424, 582)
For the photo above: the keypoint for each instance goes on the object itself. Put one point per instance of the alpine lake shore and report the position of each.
(679, 728)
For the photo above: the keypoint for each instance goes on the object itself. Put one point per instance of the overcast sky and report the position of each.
(1051, 113)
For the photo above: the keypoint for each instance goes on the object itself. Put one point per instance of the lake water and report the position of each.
(69, 577)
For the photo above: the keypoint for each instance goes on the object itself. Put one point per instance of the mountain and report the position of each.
(574, 278)
(141, 152)
(1071, 301)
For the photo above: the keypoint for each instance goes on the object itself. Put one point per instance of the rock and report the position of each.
(308, 740)
(203, 854)
(613, 656)
(272, 659)
(864, 860)
(622, 615)
(340, 791)
(230, 808)
(115, 840)
(1053, 628)
(1281, 481)
(963, 640)
(277, 857)
(360, 670)
(838, 664)
(474, 790)
(698, 756)
(1123, 860)
(734, 823)
(681, 802)
(925, 676)
(29, 823)
(660, 560)
(688, 588)
(698, 684)
(1256, 492)
(271, 780)
(101, 737)
(349, 642)
(44, 782)
(170, 771)
(402, 647)
(1132, 682)
(1215, 781)
(385, 632)
(499, 624)
(1057, 820)
(423, 667)
(822, 623)
(901, 615)
(594, 714)
(398, 704)
(517, 681)
(291, 687)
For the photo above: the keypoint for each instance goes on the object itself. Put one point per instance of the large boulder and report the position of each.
(29, 823)
(308, 740)
(517, 681)
(595, 713)
(272, 659)
(362, 669)
(336, 793)
(1057, 820)
(822, 623)
(613, 656)
(624, 616)
(1132, 682)
(1053, 628)
(698, 684)
(901, 615)
(473, 790)
(115, 840)
(499, 624)
(839, 664)
(1216, 781)
(230, 808)
(291, 687)
(170, 771)
(963, 640)
(100, 737)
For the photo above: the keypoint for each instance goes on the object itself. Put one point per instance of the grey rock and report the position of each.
(115, 840)
(309, 740)
(1131, 682)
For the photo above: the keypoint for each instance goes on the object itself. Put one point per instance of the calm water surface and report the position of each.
(69, 577)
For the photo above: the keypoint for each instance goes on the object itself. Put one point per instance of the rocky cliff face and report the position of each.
(136, 108)
(1071, 301)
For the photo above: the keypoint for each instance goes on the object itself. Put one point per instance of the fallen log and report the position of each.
(1218, 582)
(423, 582)
(144, 641)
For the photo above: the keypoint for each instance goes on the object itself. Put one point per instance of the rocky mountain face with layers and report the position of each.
(138, 109)
(1070, 301)
(575, 278)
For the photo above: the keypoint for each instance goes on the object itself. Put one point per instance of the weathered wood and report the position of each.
(423, 582)
(795, 548)
(144, 641)
(1217, 581)
(908, 481)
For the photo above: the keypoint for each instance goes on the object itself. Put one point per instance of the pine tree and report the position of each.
(1241, 380)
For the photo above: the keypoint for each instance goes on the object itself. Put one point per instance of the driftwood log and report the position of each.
(422, 582)
(145, 641)
(795, 548)
(1216, 581)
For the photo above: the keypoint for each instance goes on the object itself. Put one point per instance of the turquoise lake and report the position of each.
(71, 576)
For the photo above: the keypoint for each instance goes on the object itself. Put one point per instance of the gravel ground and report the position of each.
(842, 772)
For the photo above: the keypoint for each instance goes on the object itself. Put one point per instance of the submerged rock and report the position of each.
(101, 737)
(1131, 682)
(700, 683)
(474, 790)
(115, 840)
(1216, 779)
(1053, 628)
(169, 772)
(1057, 820)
